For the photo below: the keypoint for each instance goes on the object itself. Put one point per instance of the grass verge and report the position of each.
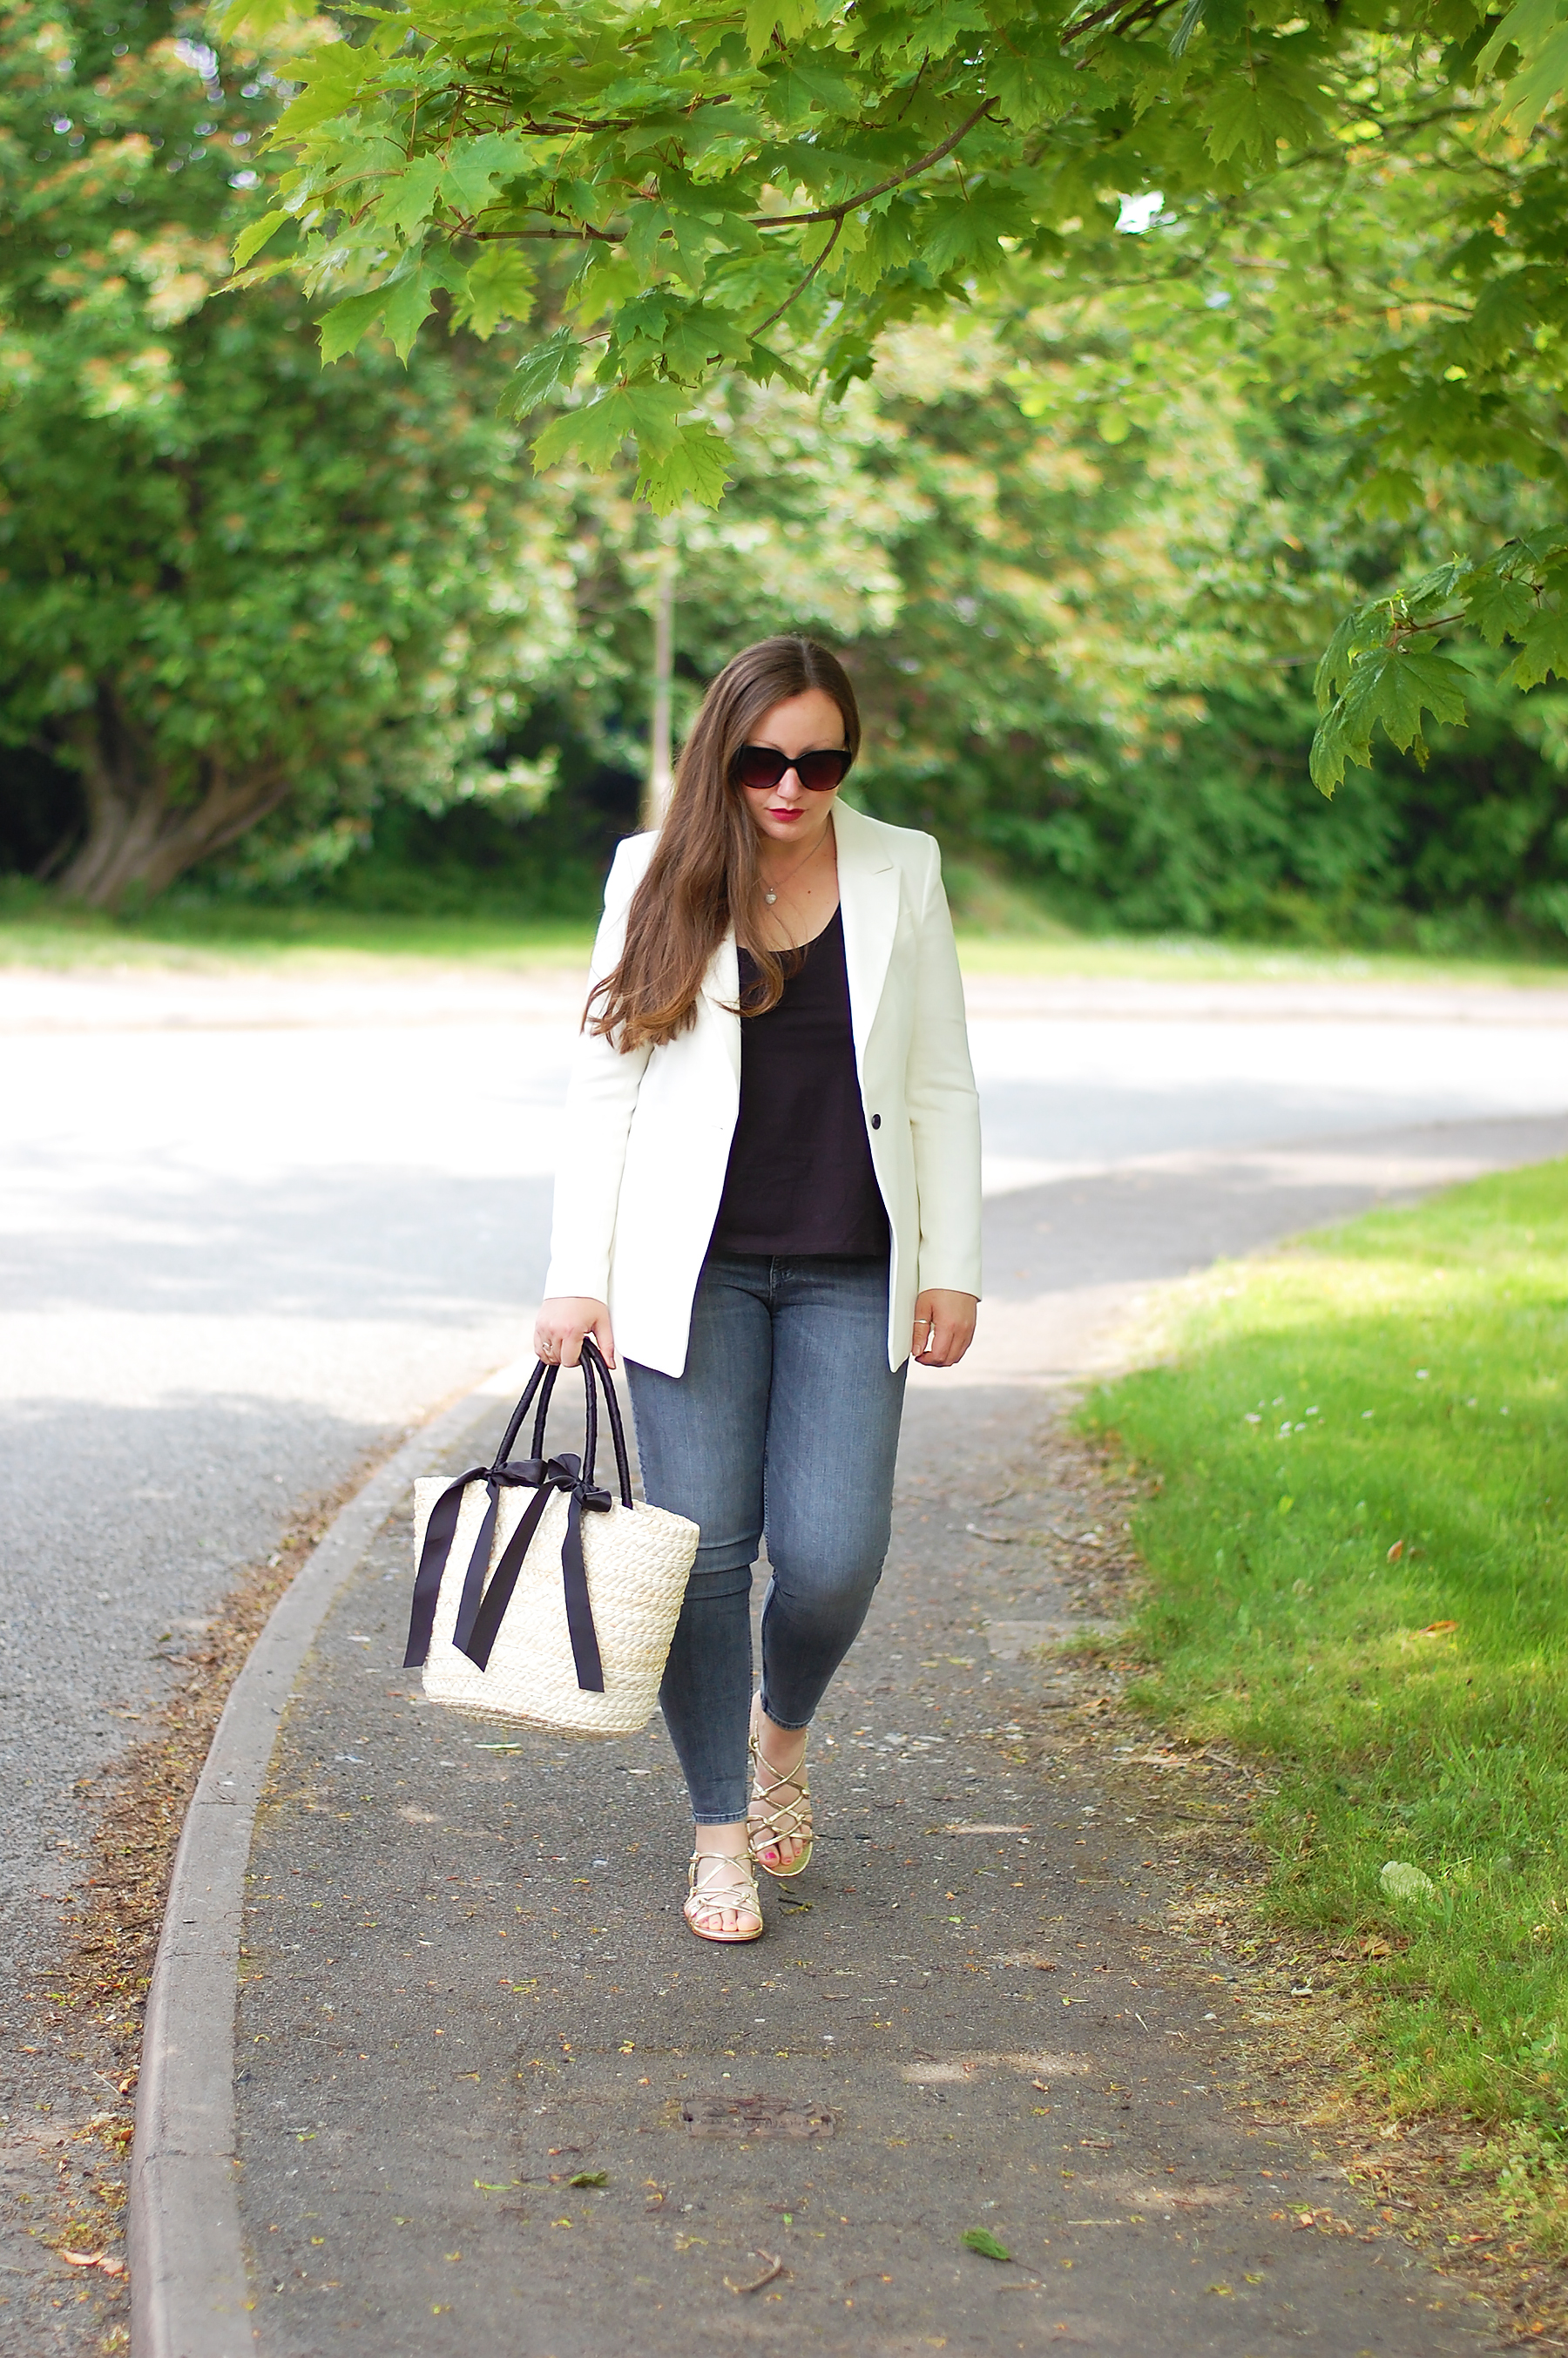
(1357, 1555)
(37, 931)
(316, 941)
(1174, 958)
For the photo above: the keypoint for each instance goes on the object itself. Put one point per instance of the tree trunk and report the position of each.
(139, 837)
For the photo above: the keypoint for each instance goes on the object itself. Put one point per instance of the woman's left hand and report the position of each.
(944, 1327)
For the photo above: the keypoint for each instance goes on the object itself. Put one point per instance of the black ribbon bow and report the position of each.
(481, 1609)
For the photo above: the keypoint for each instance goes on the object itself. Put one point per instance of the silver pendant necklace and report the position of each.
(770, 892)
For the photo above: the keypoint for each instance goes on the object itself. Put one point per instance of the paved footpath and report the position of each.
(466, 1981)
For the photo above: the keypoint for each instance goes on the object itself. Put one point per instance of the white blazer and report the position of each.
(648, 1134)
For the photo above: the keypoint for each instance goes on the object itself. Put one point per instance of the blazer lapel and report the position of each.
(868, 896)
(721, 994)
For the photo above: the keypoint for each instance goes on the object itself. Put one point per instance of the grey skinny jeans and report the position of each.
(786, 1420)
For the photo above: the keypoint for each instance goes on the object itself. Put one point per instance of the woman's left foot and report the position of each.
(780, 1813)
(722, 1902)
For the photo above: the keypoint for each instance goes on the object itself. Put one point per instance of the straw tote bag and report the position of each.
(538, 1598)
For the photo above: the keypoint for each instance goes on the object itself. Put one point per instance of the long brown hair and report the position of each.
(703, 872)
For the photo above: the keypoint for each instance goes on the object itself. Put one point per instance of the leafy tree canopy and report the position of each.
(1081, 575)
(668, 197)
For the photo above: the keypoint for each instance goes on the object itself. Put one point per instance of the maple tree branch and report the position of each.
(574, 236)
(838, 213)
(1145, 13)
(852, 204)
(805, 283)
(1398, 630)
(575, 127)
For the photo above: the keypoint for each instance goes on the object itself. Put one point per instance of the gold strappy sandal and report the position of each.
(785, 1804)
(738, 1893)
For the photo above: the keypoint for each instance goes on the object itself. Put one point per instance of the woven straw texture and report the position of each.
(637, 1560)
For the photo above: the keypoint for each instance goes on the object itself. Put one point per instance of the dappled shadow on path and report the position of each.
(1065, 1264)
(373, 1244)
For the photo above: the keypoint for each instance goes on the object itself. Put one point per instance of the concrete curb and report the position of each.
(190, 2294)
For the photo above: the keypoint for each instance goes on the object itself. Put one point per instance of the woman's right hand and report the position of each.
(563, 1322)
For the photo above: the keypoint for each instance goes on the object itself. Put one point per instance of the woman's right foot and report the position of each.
(721, 1901)
(780, 1813)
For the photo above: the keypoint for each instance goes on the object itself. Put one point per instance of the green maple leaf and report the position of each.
(410, 201)
(1432, 592)
(1505, 312)
(1524, 27)
(761, 364)
(476, 167)
(694, 337)
(669, 238)
(1390, 494)
(334, 78)
(1500, 608)
(539, 373)
(968, 229)
(1250, 112)
(1338, 658)
(1392, 687)
(1237, 119)
(1545, 647)
(764, 17)
(1187, 24)
(409, 302)
(1330, 752)
(1034, 86)
(649, 413)
(1417, 680)
(255, 236)
(257, 18)
(801, 85)
(499, 286)
(344, 325)
(695, 466)
(1528, 96)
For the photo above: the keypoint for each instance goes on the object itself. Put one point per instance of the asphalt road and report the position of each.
(243, 1247)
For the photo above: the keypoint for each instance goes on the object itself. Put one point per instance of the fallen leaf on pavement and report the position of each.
(773, 2268)
(981, 2240)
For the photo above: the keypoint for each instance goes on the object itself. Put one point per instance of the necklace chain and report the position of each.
(771, 892)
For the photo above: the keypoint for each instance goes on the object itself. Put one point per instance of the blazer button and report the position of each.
(876, 1122)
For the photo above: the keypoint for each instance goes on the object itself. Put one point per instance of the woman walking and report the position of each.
(770, 1177)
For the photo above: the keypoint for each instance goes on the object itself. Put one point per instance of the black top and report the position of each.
(800, 1177)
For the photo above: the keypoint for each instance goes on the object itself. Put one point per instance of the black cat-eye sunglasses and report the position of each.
(765, 765)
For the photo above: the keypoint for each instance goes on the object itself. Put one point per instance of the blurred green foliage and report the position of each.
(229, 583)
(1082, 538)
